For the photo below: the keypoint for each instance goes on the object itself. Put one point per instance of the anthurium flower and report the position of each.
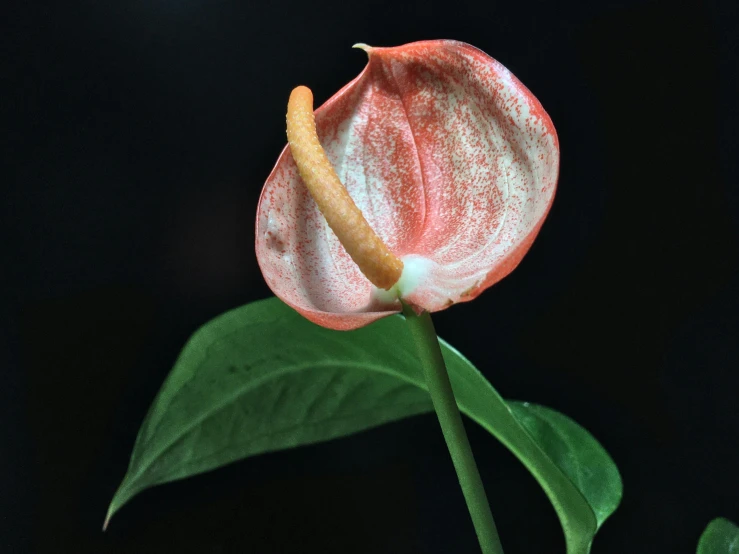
(450, 160)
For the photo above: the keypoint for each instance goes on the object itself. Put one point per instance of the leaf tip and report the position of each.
(107, 521)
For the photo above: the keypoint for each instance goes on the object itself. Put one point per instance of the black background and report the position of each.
(137, 137)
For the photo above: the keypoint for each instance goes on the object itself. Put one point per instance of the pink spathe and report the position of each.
(453, 163)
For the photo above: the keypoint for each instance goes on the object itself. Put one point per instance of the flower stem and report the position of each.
(442, 396)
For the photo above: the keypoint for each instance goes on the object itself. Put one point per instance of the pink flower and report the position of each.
(453, 163)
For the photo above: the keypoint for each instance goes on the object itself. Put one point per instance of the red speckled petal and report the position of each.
(451, 159)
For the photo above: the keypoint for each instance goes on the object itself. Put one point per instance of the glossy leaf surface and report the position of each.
(576, 453)
(720, 537)
(261, 378)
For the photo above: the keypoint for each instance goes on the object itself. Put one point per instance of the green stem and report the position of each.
(442, 396)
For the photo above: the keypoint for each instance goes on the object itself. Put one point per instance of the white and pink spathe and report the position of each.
(454, 164)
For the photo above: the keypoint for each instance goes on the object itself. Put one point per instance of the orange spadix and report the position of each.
(365, 247)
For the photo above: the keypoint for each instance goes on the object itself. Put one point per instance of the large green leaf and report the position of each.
(576, 453)
(720, 537)
(261, 378)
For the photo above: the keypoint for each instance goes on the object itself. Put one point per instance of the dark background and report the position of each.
(136, 140)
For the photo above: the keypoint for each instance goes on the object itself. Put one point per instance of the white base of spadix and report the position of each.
(415, 270)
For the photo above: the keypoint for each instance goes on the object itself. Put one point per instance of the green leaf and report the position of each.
(720, 537)
(577, 474)
(261, 378)
(577, 454)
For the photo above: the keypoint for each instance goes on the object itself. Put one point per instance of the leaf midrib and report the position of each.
(257, 382)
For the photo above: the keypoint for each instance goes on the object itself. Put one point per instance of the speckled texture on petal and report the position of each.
(451, 160)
